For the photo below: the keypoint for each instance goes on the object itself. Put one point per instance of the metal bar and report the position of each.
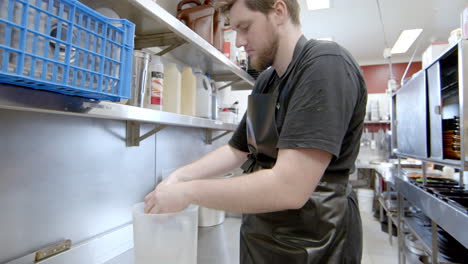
(157, 40)
(152, 132)
(461, 180)
(435, 245)
(220, 136)
(208, 136)
(452, 163)
(424, 172)
(401, 255)
(170, 48)
(229, 84)
(133, 134)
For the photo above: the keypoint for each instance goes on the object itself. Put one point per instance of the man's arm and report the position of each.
(215, 163)
(288, 185)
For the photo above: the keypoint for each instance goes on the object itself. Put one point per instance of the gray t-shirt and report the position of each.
(322, 104)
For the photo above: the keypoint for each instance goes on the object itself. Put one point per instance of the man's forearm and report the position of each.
(258, 192)
(215, 163)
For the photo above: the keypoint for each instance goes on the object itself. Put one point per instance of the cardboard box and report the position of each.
(433, 52)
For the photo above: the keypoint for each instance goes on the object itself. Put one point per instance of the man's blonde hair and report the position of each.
(264, 6)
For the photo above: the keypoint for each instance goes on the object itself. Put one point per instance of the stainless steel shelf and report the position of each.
(151, 19)
(25, 99)
(445, 215)
(424, 236)
(446, 162)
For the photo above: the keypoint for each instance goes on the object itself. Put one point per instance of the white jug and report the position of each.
(204, 92)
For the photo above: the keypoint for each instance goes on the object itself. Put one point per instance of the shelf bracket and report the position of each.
(133, 133)
(229, 84)
(169, 40)
(209, 139)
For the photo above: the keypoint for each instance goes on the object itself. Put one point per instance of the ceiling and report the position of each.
(355, 24)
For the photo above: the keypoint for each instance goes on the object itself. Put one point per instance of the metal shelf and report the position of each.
(155, 27)
(445, 215)
(25, 99)
(446, 162)
(423, 235)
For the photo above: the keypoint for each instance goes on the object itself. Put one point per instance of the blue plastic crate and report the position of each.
(66, 47)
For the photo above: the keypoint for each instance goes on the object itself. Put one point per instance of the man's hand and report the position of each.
(167, 198)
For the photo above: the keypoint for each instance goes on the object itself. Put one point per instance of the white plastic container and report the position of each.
(189, 92)
(204, 91)
(165, 238)
(155, 88)
(172, 89)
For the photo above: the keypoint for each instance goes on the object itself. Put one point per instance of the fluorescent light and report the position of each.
(326, 38)
(405, 40)
(318, 4)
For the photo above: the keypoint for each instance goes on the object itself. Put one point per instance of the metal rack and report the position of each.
(441, 213)
(25, 99)
(419, 135)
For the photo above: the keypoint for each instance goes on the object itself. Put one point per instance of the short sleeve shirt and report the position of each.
(321, 103)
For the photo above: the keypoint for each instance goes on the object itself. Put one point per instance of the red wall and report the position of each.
(376, 76)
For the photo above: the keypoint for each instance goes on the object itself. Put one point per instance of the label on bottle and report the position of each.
(156, 88)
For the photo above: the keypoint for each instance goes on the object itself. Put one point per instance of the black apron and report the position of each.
(327, 229)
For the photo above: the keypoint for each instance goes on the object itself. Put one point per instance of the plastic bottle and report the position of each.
(214, 101)
(189, 92)
(172, 89)
(155, 88)
(203, 94)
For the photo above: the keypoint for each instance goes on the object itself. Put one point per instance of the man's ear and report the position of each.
(280, 11)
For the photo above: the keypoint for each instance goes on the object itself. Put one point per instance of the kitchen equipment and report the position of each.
(204, 91)
(140, 73)
(218, 27)
(415, 253)
(199, 18)
(172, 89)
(210, 217)
(189, 92)
(165, 238)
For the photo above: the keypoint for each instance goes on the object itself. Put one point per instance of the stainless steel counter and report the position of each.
(216, 245)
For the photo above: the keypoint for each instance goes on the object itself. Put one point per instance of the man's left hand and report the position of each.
(167, 198)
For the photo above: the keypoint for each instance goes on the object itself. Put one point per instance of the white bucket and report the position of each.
(165, 238)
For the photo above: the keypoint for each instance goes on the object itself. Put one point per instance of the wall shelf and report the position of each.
(30, 100)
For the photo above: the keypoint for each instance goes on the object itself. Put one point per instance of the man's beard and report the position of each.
(265, 57)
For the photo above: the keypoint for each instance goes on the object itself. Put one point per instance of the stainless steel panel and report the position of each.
(445, 215)
(177, 146)
(66, 178)
(150, 18)
(463, 86)
(435, 117)
(25, 99)
(411, 117)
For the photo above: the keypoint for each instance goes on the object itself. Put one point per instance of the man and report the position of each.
(297, 142)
